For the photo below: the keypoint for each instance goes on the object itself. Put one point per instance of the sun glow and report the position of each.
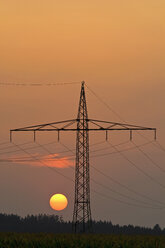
(58, 202)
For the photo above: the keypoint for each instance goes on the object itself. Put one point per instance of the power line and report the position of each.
(107, 148)
(138, 168)
(123, 202)
(29, 148)
(149, 158)
(126, 187)
(117, 114)
(11, 146)
(123, 195)
(33, 147)
(100, 194)
(114, 191)
(59, 152)
(127, 149)
(103, 102)
(160, 146)
(38, 84)
(41, 162)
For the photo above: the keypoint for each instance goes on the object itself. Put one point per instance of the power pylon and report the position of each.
(82, 220)
(82, 210)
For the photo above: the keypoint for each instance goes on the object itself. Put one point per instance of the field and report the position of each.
(26, 240)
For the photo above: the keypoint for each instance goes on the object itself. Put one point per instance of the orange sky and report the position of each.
(40, 40)
(118, 48)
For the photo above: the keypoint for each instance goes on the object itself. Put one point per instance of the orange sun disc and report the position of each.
(58, 202)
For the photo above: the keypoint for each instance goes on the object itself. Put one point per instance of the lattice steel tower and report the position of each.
(82, 219)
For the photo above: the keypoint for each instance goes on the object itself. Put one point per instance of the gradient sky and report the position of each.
(118, 48)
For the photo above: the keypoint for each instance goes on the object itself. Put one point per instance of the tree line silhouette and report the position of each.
(56, 224)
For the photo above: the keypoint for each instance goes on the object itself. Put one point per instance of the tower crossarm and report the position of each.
(94, 125)
(53, 126)
(116, 126)
(97, 125)
(45, 125)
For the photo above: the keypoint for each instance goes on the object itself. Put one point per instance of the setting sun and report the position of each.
(58, 202)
